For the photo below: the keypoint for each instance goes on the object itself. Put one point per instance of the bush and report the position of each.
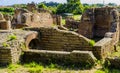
(8, 10)
(92, 42)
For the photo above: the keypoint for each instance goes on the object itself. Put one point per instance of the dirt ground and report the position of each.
(26, 70)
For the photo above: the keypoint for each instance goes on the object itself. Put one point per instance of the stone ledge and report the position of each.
(82, 57)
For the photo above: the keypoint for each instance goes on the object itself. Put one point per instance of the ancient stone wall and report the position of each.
(11, 49)
(103, 48)
(60, 40)
(96, 22)
(34, 17)
(9, 55)
(5, 56)
(113, 62)
(74, 57)
(104, 18)
(71, 23)
(5, 23)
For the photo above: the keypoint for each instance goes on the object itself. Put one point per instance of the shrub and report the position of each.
(92, 42)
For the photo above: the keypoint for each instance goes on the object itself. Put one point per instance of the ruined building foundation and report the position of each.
(40, 41)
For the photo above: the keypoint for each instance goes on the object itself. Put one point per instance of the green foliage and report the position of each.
(52, 8)
(8, 10)
(92, 42)
(13, 67)
(42, 5)
(70, 7)
(32, 64)
(100, 71)
(107, 70)
(53, 65)
(20, 6)
(5, 44)
(12, 37)
(36, 70)
(34, 67)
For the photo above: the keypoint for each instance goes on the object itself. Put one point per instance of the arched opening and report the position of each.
(34, 44)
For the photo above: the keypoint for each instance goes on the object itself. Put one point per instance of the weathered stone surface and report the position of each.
(103, 48)
(113, 62)
(82, 57)
(10, 50)
(46, 42)
(96, 22)
(1, 16)
(5, 25)
(61, 40)
(34, 17)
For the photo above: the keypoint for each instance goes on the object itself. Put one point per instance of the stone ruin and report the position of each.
(34, 17)
(5, 22)
(41, 42)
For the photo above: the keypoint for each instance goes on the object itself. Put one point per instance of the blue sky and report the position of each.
(10, 2)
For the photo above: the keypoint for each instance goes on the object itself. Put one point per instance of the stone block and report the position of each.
(74, 57)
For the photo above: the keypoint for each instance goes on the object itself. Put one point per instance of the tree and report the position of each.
(72, 6)
(42, 5)
(112, 4)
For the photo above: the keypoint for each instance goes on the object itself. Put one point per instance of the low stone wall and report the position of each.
(71, 23)
(5, 56)
(82, 57)
(9, 55)
(5, 25)
(10, 49)
(113, 62)
(103, 48)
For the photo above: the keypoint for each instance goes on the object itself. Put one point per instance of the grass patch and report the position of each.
(116, 53)
(106, 70)
(12, 37)
(77, 17)
(4, 44)
(34, 67)
(13, 67)
(51, 68)
(63, 21)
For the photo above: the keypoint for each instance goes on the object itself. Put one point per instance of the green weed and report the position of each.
(92, 42)
(12, 37)
(13, 67)
(5, 44)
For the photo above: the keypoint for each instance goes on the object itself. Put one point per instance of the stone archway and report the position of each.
(32, 41)
(34, 44)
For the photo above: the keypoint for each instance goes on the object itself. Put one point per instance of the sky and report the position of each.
(11, 2)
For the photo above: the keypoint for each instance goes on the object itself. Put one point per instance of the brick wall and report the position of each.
(35, 19)
(60, 40)
(9, 55)
(103, 48)
(74, 57)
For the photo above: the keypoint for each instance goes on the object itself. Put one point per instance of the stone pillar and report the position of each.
(59, 20)
(1, 16)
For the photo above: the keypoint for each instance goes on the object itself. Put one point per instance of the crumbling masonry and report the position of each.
(40, 41)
